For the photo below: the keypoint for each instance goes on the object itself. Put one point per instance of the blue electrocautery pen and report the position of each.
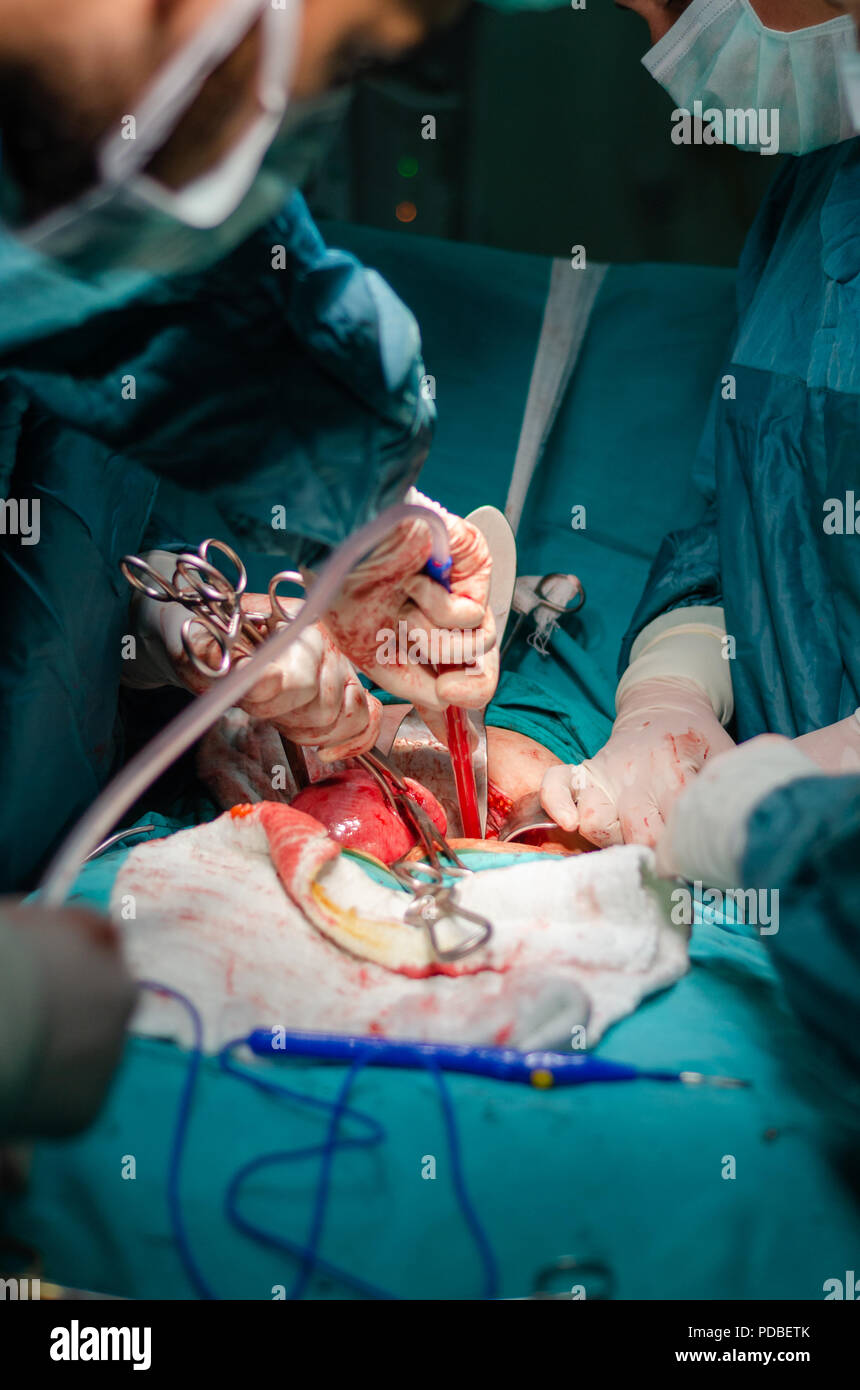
(540, 1069)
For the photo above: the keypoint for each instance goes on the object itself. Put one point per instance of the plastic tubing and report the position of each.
(178, 736)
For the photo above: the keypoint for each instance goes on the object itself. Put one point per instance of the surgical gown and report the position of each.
(289, 396)
(779, 549)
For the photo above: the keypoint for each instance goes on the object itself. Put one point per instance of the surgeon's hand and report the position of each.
(707, 828)
(452, 631)
(664, 733)
(65, 998)
(311, 693)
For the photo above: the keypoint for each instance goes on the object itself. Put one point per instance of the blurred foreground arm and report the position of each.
(65, 998)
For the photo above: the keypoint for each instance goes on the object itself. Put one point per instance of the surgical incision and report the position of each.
(239, 761)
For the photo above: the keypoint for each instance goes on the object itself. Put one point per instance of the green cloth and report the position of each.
(623, 445)
(278, 409)
(630, 1174)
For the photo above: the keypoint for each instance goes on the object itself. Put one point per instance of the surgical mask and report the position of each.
(129, 221)
(849, 72)
(720, 55)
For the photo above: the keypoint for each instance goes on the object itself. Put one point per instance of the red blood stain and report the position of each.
(499, 805)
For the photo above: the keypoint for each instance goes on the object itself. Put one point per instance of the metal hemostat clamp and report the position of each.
(546, 599)
(434, 900)
(214, 602)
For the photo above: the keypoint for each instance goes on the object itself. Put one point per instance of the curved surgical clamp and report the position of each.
(434, 898)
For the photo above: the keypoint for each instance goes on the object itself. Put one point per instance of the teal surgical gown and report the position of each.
(781, 446)
(779, 549)
(289, 397)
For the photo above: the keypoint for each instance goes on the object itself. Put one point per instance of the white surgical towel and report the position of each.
(577, 941)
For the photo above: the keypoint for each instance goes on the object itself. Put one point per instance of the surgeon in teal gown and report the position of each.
(750, 621)
(325, 419)
(630, 1175)
(177, 324)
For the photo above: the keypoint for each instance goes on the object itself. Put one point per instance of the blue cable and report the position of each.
(323, 1185)
(180, 1131)
(308, 1253)
(479, 1235)
(261, 1083)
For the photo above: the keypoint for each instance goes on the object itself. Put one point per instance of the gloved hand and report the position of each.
(311, 693)
(454, 630)
(665, 731)
(707, 827)
(65, 998)
(836, 747)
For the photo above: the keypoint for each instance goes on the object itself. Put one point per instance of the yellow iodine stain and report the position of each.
(348, 918)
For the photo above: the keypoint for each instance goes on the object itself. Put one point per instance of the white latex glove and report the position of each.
(311, 693)
(707, 828)
(65, 997)
(388, 589)
(665, 731)
(836, 747)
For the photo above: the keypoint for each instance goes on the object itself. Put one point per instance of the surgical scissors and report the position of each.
(214, 602)
(215, 605)
(434, 899)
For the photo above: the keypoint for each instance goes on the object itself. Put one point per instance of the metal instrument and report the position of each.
(526, 814)
(545, 599)
(214, 602)
(553, 1283)
(434, 896)
(117, 839)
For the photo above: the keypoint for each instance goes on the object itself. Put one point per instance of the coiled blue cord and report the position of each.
(308, 1253)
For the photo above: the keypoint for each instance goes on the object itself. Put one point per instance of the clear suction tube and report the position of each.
(183, 731)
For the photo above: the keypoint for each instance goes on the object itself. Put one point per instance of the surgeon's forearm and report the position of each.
(19, 1025)
(686, 644)
(65, 997)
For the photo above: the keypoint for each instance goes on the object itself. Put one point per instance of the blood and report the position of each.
(454, 969)
(464, 773)
(499, 806)
(355, 812)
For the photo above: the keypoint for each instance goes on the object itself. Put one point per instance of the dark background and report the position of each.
(550, 133)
